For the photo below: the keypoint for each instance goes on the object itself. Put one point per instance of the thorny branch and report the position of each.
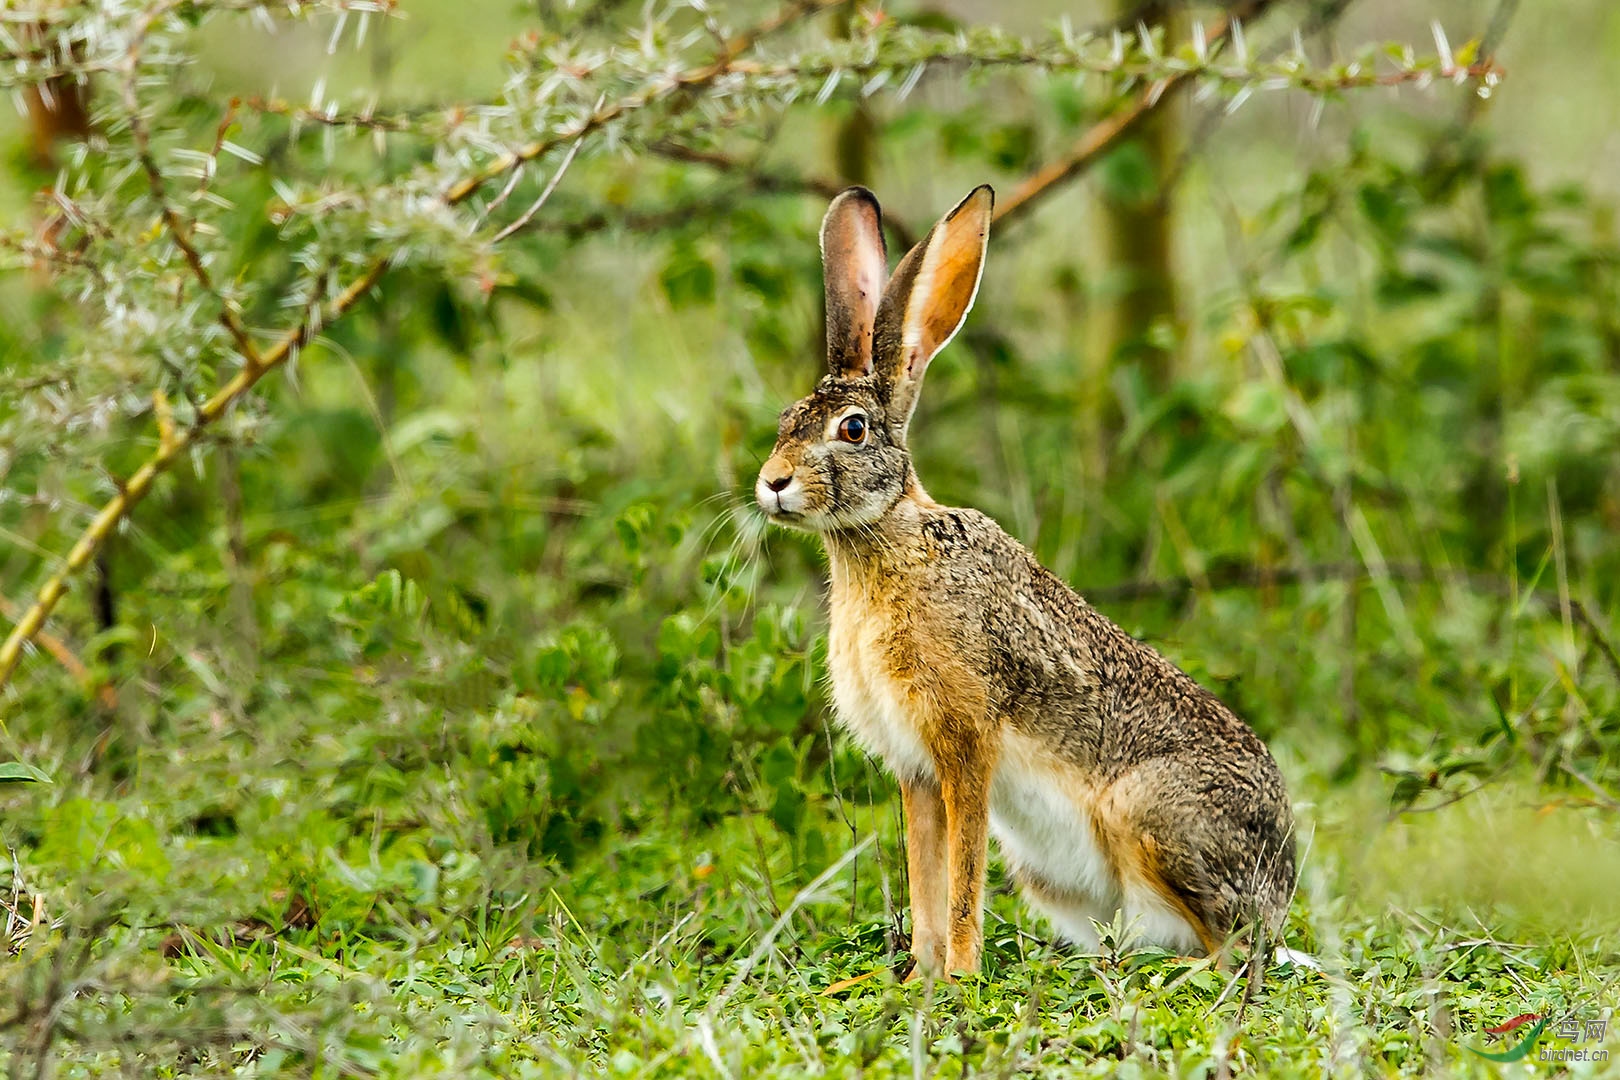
(1104, 136)
(175, 443)
(727, 63)
(179, 228)
(1095, 142)
(696, 79)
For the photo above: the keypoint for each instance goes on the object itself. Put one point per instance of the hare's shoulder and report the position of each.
(964, 547)
(976, 560)
(964, 531)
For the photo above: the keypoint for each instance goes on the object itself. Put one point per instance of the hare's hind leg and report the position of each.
(1211, 839)
(1158, 913)
(926, 875)
(1164, 878)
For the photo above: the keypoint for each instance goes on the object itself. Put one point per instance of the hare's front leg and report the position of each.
(965, 787)
(926, 876)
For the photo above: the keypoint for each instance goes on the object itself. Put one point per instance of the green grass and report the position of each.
(469, 723)
(706, 952)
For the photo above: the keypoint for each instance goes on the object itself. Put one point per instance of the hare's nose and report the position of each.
(777, 473)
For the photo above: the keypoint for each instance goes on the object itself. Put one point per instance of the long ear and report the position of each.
(855, 265)
(928, 298)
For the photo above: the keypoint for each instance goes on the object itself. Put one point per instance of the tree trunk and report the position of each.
(1138, 238)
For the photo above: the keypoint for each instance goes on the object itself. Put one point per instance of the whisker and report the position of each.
(737, 568)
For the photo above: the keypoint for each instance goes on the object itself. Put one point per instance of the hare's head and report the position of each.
(841, 460)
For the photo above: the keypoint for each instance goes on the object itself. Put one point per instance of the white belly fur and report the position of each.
(1041, 824)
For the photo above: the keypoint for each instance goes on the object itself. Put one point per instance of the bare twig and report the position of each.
(757, 178)
(756, 175)
(534, 207)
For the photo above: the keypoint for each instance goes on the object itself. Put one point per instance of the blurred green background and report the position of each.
(452, 709)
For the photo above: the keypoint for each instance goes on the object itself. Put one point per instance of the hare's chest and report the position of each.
(870, 702)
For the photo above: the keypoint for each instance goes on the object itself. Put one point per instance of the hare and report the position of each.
(1002, 702)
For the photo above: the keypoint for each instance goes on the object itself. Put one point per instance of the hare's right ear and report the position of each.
(855, 265)
(928, 299)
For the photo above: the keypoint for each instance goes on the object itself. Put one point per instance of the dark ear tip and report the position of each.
(857, 193)
(984, 195)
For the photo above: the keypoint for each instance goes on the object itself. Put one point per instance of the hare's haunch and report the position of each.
(1001, 700)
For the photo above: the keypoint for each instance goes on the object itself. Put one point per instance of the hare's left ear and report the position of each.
(855, 264)
(928, 298)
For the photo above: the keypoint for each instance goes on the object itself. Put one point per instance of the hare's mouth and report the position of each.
(796, 518)
(782, 515)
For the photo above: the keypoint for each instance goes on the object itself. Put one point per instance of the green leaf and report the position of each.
(779, 765)
(1383, 210)
(1257, 408)
(15, 772)
(787, 810)
(688, 278)
(1011, 146)
(1127, 175)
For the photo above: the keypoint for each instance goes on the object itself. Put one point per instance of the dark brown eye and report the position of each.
(852, 429)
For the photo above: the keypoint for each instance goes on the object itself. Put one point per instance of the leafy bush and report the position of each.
(437, 703)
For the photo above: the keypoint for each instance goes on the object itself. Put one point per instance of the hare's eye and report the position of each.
(852, 429)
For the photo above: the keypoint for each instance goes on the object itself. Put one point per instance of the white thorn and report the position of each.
(1442, 46)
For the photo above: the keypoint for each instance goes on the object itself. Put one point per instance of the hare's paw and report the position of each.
(919, 974)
